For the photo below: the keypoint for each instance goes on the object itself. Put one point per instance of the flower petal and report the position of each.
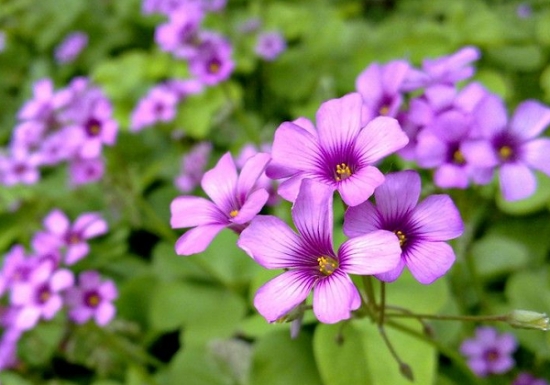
(372, 253)
(490, 116)
(284, 292)
(392, 275)
(530, 119)
(312, 214)
(289, 188)
(251, 171)
(428, 261)
(517, 181)
(189, 211)
(57, 222)
(252, 206)
(334, 297)
(398, 194)
(339, 121)
(197, 240)
(91, 225)
(362, 219)
(294, 149)
(220, 183)
(76, 252)
(271, 243)
(436, 218)
(381, 137)
(536, 154)
(360, 186)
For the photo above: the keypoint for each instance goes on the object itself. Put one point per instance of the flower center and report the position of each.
(458, 158)
(505, 153)
(73, 238)
(234, 213)
(402, 237)
(327, 265)
(342, 172)
(92, 300)
(214, 66)
(492, 355)
(93, 128)
(384, 110)
(44, 295)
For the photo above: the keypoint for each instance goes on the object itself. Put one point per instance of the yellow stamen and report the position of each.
(384, 110)
(458, 158)
(234, 213)
(401, 236)
(505, 152)
(214, 67)
(342, 172)
(73, 238)
(45, 296)
(327, 265)
(94, 129)
(93, 300)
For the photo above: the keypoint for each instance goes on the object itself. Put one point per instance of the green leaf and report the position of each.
(38, 346)
(419, 355)
(10, 378)
(205, 311)
(136, 290)
(196, 365)
(278, 359)
(340, 354)
(196, 115)
(495, 254)
(518, 58)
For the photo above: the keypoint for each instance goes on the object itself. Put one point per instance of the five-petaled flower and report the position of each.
(235, 201)
(310, 259)
(340, 153)
(422, 228)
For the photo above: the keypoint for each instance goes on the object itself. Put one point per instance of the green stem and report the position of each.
(369, 291)
(440, 317)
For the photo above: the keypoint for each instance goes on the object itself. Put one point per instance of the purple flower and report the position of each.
(446, 70)
(513, 145)
(270, 45)
(525, 378)
(92, 298)
(379, 85)
(524, 10)
(61, 234)
(179, 35)
(8, 347)
(310, 259)
(248, 151)
(489, 352)
(235, 201)
(192, 167)
(97, 127)
(39, 297)
(159, 105)
(69, 49)
(339, 153)
(212, 63)
(422, 228)
(2, 41)
(83, 171)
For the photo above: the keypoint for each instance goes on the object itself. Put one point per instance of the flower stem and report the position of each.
(440, 317)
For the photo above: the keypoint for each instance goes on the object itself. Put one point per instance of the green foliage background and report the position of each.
(190, 320)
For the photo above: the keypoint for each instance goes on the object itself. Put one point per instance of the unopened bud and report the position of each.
(525, 319)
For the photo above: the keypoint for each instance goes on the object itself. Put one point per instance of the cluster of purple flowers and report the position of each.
(37, 285)
(464, 134)
(68, 125)
(208, 53)
(338, 154)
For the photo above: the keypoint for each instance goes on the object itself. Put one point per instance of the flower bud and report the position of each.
(525, 319)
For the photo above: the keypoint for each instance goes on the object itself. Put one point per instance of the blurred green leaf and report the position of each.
(496, 254)
(205, 311)
(340, 354)
(278, 359)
